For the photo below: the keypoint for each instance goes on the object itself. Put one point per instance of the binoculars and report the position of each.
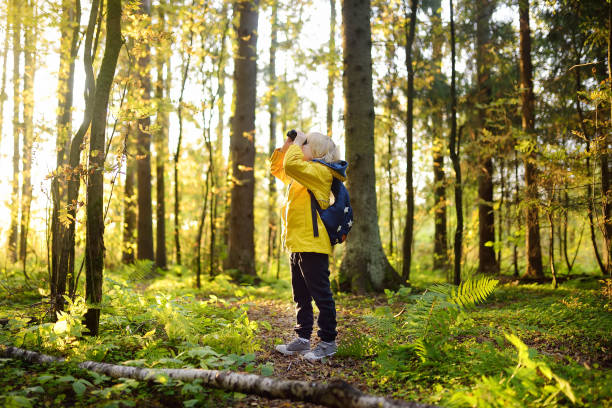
(292, 134)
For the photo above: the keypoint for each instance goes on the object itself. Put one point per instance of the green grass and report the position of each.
(410, 343)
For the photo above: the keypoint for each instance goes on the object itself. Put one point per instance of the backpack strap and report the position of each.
(313, 209)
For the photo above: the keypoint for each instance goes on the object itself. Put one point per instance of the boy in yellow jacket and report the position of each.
(293, 165)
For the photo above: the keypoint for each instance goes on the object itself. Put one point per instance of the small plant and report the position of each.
(529, 383)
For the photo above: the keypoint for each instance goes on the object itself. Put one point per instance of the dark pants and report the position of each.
(310, 281)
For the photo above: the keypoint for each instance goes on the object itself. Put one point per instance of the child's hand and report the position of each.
(288, 142)
(300, 138)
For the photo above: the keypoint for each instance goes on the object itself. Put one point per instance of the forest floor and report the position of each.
(525, 345)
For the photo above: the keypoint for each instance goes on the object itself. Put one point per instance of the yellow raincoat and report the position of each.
(296, 213)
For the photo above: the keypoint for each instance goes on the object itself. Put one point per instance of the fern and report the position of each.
(469, 293)
(430, 319)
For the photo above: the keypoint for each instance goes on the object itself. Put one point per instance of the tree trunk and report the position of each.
(606, 187)
(241, 251)
(71, 17)
(336, 393)
(516, 206)
(129, 200)
(94, 251)
(409, 226)
(28, 125)
(161, 148)
(486, 217)
(200, 230)
(440, 261)
(364, 267)
(272, 207)
(14, 228)
(143, 163)
(551, 248)
(532, 238)
(455, 149)
(7, 36)
(177, 156)
(331, 67)
(219, 188)
(390, 51)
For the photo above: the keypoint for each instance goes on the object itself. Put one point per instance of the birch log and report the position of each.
(337, 393)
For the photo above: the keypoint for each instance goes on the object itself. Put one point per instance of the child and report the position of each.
(293, 165)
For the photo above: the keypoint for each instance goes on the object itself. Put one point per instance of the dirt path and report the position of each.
(281, 317)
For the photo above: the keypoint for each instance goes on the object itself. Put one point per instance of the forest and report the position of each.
(145, 259)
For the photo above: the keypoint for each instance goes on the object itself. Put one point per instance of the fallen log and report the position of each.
(336, 394)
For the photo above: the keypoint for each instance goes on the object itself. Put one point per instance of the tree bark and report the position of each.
(29, 51)
(14, 228)
(71, 17)
(272, 106)
(454, 148)
(129, 201)
(409, 226)
(29, 72)
(331, 67)
(94, 251)
(551, 248)
(241, 251)
(177, 156)
(390, 51)
(75, 170)
(440, 256)
(532, 238)
(336, 393)
(219, 181)
(606, 187)
(143, 163)
(7, 36)
(364, 266)
(162, 94)
(486, 218)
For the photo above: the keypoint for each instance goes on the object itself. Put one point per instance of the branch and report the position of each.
(337, 393)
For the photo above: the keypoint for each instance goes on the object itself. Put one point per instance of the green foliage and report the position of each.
(529, 383)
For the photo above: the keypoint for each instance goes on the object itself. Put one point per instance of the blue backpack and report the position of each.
(338, 217)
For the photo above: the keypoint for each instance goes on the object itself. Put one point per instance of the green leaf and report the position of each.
(267, 369)
(79, 387)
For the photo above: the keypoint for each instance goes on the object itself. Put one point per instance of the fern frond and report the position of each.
(473, 291)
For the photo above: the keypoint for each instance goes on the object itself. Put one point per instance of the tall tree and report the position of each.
(143, 163)
(69, 28)
(331, 67)
(241, 251)
(532, 238)
(409, 226)
(272, 106)
(177, 154)
(74, 171)
(438, 93)
(364, 267)
(162, 88)
(3, 95)
(454, 148)
(606, 183)
(487, 263)
(16, 26)
(94, 252)
(29, 52)
(129, 199)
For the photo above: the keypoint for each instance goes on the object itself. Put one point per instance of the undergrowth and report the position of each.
(481, 344)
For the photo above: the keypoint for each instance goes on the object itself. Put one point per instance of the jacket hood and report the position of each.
(339, 168)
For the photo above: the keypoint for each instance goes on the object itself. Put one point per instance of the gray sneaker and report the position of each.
(297, 346)
(322, 350)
